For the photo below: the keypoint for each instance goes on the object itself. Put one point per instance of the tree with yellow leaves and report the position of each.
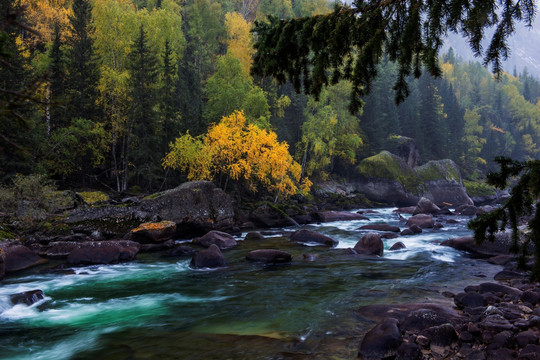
(237, 150)
(239, 39)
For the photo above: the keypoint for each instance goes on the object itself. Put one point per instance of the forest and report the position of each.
(141, 95)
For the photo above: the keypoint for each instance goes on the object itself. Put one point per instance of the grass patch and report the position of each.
(478, 188)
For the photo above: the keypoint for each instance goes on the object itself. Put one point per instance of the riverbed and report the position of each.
(160, 308)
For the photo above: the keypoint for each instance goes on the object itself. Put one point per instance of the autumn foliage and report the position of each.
(239, 151)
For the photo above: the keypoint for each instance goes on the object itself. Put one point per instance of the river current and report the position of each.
(160, 308)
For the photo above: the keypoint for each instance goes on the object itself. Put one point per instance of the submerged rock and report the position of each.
(380, 227)
(210, 258)
(269, 256)
(308, 236)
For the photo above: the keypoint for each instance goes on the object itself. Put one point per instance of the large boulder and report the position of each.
(370, 244)
(328, 216)
(426, 206)
(223, 240)
(387, 178)
(382, 341)
(269, 256)
(210, 258)
(307, 236)
(443, 181)
(18, 257)
(153, 232)
(196, 207)
(103, 252)
(423, 221)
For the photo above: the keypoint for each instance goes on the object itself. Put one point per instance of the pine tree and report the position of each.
(56, 115)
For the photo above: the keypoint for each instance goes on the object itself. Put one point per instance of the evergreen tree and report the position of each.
(143, 72)
(432, 119)
(56, 92)
(83, 74)
(170, 117)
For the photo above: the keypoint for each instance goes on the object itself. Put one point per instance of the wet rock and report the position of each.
(329, 216)
(499, 288)
(18, 257)
(397, 246)
(27, 298)
(422, 220)
(501, 259)
(466, 300)
(181, 250)
(501, 340)
(382, 341)
(509, 275)
(437, 226)
(400, 311)
(254, 235)
(150, 232)
(405, 210)
(156, 247)
(223, 240)
(496, 323)
(501, 354)
(389, 235)
(269, 256)
(409, 351)
(442, 338)
(501, 245)
(370, 244)
(380, 227)
(426, 206)
(210, 258)
(531, 297)
(308, 236)
(407, 232)
(421, 319)
(103, 252)
(530, 352)
(467, 210)
(415, 229)
(524, 338)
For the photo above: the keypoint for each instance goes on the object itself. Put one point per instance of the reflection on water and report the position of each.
(156, 308)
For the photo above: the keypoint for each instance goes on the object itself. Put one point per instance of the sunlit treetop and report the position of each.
(348, 43)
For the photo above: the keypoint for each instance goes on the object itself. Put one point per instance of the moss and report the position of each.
(438, 170)
(94, 197)
(152, 196)
(477, 189)
(6, 235)
(387, 166)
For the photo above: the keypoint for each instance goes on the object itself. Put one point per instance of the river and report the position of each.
(159, 308)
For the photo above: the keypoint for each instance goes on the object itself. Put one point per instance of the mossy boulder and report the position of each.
(153, 232)
(387, 178)
(94, 197)
(443, 181)
(482, 193)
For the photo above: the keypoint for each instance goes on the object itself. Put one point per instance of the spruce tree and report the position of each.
(56, 117)
(83, 74)
(143, 70)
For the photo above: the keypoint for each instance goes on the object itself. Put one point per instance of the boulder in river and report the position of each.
(397, 246)
(18, 257)
(307, 236)
(223, 240)
(328, 216)
(370, 244)
(423, 221)
(269, 256)
(426, 206)
(380, 227)
(210, 258)
(103, 252)
(501, 245)
(28, 297)
(155, 232)
(269, 216)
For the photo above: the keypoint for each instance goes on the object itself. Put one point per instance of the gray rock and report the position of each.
(210, 258)
(397, 246)
(328, 216)
(370, 244)
(382, 341)
(269, 256)
(421, 220)
(380, 227)
(27, 298)
(426, 206)
(18, 257)
(223, 240)
(496, 323)
(308, 236)
(103, 252)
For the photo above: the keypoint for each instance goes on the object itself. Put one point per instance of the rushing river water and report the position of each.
(159, 308)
